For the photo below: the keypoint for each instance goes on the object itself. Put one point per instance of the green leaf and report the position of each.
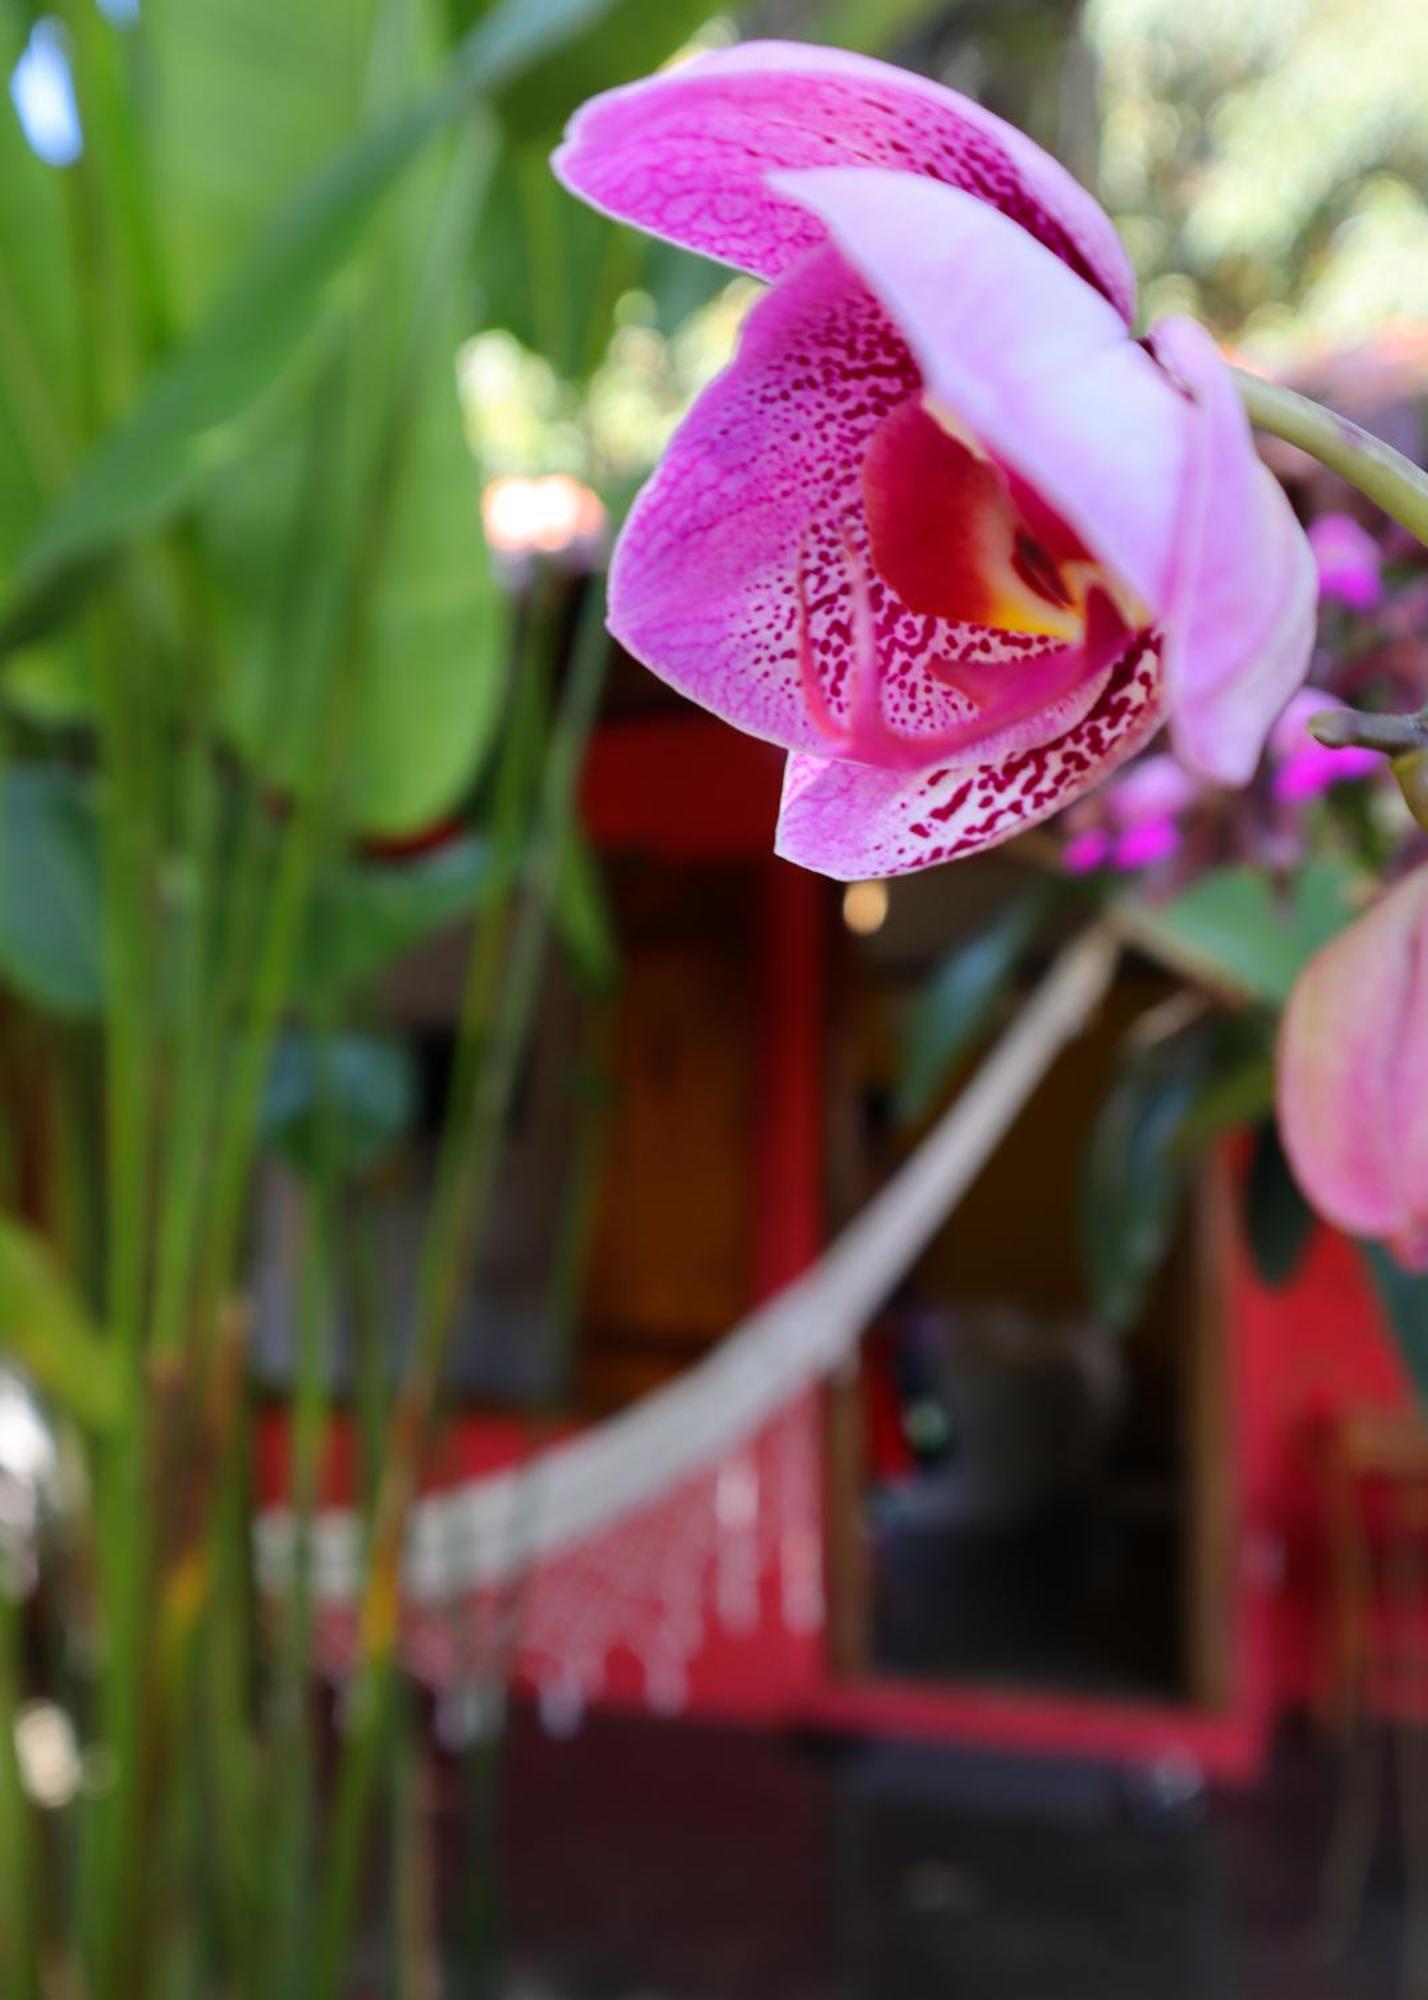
(960, 998)
(872, 26)
(37, 327)
(38, 342)
(51, 905)
(1134, 1176)
(44, 1325)
(632, 38)
(376, 481)
(1404, 1298)
(1278, 1220)
(369, 915)
(194, 415)
(337, 1104)
(435, 661)
(550, 268)
(1239, 1094)
(233, 125)
(1234, 928)
(582, 917)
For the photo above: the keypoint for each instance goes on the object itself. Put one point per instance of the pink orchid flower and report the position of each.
(945, 530)
(1353, 1075)
(1349, 562)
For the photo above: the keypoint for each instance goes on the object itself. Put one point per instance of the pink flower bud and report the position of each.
(1353, 1075)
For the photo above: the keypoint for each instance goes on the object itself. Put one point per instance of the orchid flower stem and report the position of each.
(1382, 474)
(1358, 729)
(1400, 488)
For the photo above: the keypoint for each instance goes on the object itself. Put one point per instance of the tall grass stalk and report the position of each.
(501, 996)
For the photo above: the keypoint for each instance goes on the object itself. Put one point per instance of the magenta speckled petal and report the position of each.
(684, 155)
(1240, 634)
(852, 822)
(1353, 1074)
(1025, 355)
(744, 566)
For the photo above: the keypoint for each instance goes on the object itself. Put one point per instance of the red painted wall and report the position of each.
(1305, 1355)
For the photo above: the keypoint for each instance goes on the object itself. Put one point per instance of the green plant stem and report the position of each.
(1393, 483)
(487, 1666)
(17, 1855)
(290, 1811)
(471, 1154)
(343, 663)
(130, 955)
(1382, 474)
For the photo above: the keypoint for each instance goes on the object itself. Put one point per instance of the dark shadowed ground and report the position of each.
(666, 1861)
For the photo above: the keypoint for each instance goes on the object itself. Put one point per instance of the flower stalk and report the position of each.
(1380, 473)
(1400, 488)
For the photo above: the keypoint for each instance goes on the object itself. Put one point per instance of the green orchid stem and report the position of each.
(1400, 488)
(1384, 475)
(1403, 739)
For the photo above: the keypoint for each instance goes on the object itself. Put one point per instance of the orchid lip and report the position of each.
(1039, 575)
(1003, 694)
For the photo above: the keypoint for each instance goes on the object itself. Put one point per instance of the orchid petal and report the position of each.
(1156, 788)
(684, 155)
(1241, 631)
(1353, 1074)
(1025, 356)
(851, 821)
(744, 574)
(1349, 562)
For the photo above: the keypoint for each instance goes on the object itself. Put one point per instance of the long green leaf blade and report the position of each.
(192, 418)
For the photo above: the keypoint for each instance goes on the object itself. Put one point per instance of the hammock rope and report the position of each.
(488, 1531)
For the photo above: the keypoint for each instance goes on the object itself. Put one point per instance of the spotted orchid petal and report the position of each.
(686, 155)
(1353, 1075)
(852, 821)
(1019, 352)
(1240, 630)
(758, 571)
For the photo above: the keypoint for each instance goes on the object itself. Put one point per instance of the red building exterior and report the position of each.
(1289, 1365)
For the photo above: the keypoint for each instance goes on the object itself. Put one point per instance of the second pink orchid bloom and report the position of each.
(945, 530)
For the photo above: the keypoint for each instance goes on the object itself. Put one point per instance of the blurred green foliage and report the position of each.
(1267, 160)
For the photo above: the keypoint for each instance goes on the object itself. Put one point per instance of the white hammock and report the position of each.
(489, 1530)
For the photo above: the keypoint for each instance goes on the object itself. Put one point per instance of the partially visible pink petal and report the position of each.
(684, 155)
(1146, 844)
(1349, 561)
(1353, 1074)
(1240, 634)
(1155, 788)
(1302, 767)
(744, 575)
(851, 821)
(1027, 357)
(1085, 852)
(1314, 770)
